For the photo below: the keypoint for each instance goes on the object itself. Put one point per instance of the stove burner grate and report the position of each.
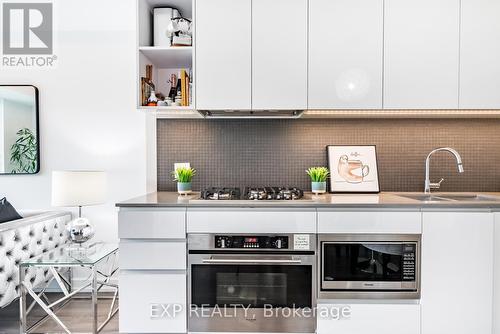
(221, 193)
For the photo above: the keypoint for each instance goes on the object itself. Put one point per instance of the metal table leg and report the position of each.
(22, 301)
(47, 309)
(67, 287)
(107, 276)
(112, 309)
(45, 305)
(94, 300)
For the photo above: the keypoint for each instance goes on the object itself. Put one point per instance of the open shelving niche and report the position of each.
(165, 60)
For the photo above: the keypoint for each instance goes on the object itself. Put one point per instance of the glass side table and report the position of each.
(68, 257)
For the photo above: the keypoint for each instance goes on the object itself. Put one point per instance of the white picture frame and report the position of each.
(353, 169)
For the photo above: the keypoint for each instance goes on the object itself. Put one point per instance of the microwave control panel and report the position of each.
(409, 262)
(251, 242)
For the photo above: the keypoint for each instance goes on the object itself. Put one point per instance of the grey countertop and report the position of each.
(381, 200)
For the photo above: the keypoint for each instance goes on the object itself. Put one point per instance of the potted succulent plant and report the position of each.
(318, 177)
(184, 177)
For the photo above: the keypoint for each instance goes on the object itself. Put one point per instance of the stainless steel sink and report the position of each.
(425, 198)
(471, 198)
(452, 197)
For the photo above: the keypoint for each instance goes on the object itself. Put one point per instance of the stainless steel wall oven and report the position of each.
(237, 281)
(369, 266)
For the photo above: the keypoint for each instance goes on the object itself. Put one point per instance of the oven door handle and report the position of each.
(236, 260)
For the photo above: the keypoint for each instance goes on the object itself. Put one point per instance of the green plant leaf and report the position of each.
(23, 153)
(318, 174)
(184, 174)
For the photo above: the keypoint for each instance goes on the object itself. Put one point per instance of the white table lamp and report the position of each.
(77, 189)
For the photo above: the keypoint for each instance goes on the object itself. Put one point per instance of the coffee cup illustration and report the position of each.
(352, 171)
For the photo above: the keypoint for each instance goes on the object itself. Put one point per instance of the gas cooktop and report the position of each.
(252, 193)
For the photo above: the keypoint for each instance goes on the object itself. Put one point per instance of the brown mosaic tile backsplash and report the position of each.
(253, 152)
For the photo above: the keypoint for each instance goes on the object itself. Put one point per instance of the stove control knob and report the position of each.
(222, 243)
(278, 243)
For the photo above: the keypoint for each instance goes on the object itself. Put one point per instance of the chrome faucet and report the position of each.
(431, 185)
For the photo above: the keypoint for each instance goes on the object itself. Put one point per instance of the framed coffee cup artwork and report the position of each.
(353, 169)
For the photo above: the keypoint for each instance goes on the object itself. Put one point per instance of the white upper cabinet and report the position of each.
(457, 272)
(421, 58)
(345, 54)
(480, 55)
(223, 54)
(279, 54)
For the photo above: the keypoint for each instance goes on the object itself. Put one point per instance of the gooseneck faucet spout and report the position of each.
(430, 185)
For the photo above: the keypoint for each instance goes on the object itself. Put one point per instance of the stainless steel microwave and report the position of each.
(369, 266)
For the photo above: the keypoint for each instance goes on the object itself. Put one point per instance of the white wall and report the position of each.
(87, 115)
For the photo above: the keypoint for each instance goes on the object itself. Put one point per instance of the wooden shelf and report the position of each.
(169, 57)
(172, 112)
(167, 108)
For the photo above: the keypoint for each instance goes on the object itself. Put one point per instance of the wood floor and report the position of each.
(76, 315)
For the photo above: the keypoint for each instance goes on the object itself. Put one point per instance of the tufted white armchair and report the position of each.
(25, 238)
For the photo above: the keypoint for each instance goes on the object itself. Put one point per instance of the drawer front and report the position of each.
(143, 296)
(152, 224)
(368, 318)
(251, 221)
(370, 222)
(152, 255)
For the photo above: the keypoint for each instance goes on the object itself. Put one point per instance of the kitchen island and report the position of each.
(382, 200)
(460, 233)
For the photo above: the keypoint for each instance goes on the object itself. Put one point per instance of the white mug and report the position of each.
(172, 27)
(184, 26)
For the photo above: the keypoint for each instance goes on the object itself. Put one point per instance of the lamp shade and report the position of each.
(78, 188)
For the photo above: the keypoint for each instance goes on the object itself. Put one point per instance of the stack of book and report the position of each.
(178, 95)
(180, 89)
(185, 91)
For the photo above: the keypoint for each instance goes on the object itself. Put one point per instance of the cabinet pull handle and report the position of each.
(277, 261)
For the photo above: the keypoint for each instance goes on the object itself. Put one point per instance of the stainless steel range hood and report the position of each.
(215, 114)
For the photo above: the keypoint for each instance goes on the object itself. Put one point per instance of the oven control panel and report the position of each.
(251, 242)
(409, 262)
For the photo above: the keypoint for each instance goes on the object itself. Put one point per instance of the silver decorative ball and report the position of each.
(80, 230)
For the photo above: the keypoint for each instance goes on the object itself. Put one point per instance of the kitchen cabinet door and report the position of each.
(421, 58)
(152, 223)
(152, 255)
(279, 54)
(345, 54)
(496, 274)
(212, 220)
(399, 222)
(457, 272)
(382, 318)
(147, 301)
(480, 54)
(223, 54)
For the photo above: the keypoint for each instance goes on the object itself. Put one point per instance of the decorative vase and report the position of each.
(183, 188)
(318, 187)
(80, 230)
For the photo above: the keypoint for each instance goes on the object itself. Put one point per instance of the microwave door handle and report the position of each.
(273, 261)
